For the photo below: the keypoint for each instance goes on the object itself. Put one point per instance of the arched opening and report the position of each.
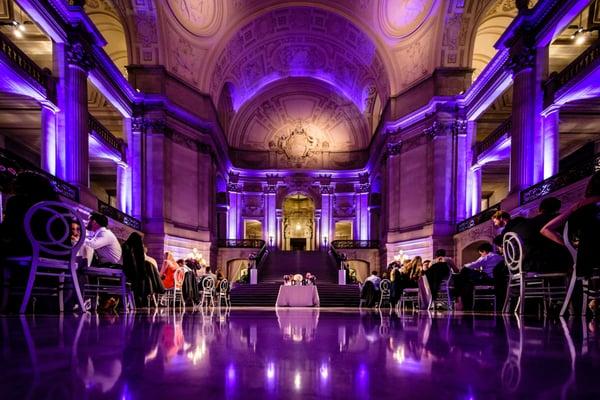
(108, 21)
(298, 223)
(237, 270)
(469, 253)
(493, 24)
(359, 269)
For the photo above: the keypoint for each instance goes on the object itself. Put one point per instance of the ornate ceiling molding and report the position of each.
(300, 42)
(401, 18)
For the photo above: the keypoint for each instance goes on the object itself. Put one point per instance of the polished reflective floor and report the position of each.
(297, 353)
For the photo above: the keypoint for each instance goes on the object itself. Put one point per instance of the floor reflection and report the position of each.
(218, 353)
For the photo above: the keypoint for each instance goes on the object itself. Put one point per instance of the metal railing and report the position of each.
(22, 61)
(491, 139)
(11, 165)
(477, 219)
(355, 244)
(241, 243)
(584, 60)
(96, 128)
(561, 180)
(119, 215)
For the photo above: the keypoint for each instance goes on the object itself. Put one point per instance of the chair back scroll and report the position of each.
(48, 228)
(569, 245)
(179, 277)
(513, 252)
(208, 284)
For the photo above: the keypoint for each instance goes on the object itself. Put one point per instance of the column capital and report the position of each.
(78, 54)
(523, 58)
(363, 188)
(327, 189)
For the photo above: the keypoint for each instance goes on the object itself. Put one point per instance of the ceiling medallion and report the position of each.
(401, 18)
(298, 146)
(199, 17)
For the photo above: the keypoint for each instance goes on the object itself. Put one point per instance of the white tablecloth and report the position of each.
(298, 296)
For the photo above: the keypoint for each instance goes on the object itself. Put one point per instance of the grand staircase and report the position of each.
(279, 263)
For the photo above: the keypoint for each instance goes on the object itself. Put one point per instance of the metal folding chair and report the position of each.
(586, 290)
(224, 293)
(53, 254)
(529, 285)
(385, 291)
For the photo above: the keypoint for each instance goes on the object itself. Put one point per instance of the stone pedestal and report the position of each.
(341, 277)
(253, 276)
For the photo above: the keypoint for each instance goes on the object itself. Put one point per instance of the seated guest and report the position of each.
(168, 269)
(105, 245)
(408, 276)
(438, 271)
(584, 225)
(503, 223)
(374, 279)
(479, 272)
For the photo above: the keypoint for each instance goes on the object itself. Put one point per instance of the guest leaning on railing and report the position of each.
(584, 225)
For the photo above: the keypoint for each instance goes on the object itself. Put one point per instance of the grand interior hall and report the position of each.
(299, 199)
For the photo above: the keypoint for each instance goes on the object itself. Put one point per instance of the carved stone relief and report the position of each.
(199, 17)
(400, 18)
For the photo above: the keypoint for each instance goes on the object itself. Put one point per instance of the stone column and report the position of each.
(362, 213)
(133, 129)
(279, 233)
(270, 228)
(551, 132)
(471, 188)
(153, 197)
(79, 64)
(526, 155)
(233, 216)
(123, 187)
(475, 184)
(48, 139)
(318, 242)
(326, 214)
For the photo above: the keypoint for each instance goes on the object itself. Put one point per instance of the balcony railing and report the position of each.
(241, 243)
(119, 215)
(477, 219)
(11, 165)
(355, 244)
(26, 64)
(585, 59)
(561, 180)
(106, 136)
(494, 137)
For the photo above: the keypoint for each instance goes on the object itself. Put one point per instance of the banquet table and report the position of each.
(298, 296)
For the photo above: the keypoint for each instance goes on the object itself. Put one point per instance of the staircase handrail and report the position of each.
(261, 256)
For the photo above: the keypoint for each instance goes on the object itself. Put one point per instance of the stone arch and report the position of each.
(285, 192)
(141, 22)
(362, 268)
(110, 22)
(469, 252)
(460, 26)
(234, 267)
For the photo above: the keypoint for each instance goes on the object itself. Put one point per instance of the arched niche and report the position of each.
(109, 21)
